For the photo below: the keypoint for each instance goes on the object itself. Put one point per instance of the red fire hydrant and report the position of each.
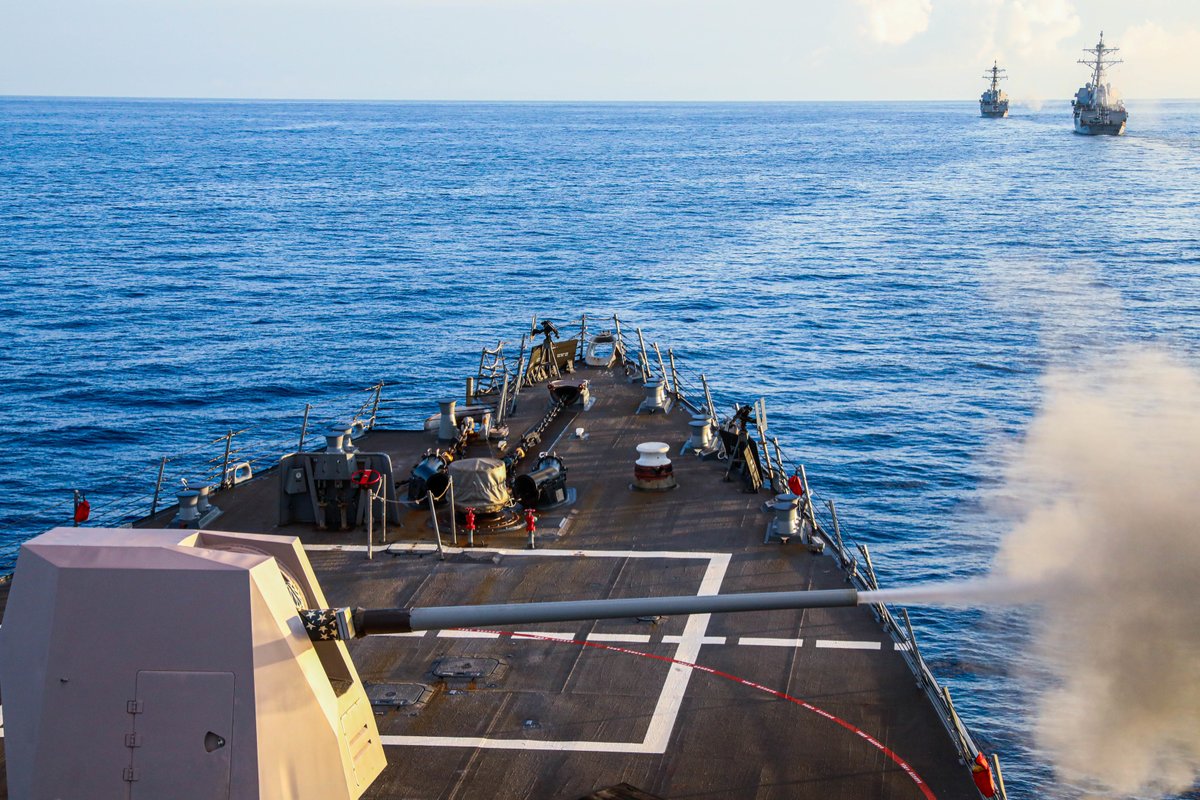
(470, 525)
(530, 526)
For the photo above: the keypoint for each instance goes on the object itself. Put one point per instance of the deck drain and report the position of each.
(465, 667)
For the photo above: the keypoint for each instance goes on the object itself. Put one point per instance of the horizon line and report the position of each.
(543, 101)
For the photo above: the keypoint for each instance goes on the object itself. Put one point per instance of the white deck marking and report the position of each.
(566, 637)
(413, 634)
(672, 639)
(840, 644)
(903, 646)
(658, 736)
(621, 638)
(670, 699)
(755, 641)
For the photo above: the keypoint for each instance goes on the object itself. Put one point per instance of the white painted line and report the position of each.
(412, 634)
(755, 641)
(840, 644)
(565, 637)
(467, 635)
(671, 639)
(903, 646)
(483, 743)
(670, 699)
(624, 638)
(658, 735)
(423, 547)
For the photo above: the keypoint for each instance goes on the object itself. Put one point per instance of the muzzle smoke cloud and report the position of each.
(1110, 475)
(1108, 547)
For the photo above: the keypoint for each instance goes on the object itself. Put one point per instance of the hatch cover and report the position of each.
(465, 667)
(394, 695)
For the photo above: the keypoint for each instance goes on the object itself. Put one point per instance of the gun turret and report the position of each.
(206, 623)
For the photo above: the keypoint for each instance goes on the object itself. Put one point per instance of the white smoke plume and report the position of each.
(1110, 476)
(1031, 102)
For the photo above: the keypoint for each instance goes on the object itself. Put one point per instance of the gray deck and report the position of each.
(592, 708)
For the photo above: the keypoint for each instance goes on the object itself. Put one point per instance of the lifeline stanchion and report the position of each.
(453, 520)
(437, 532)
(371, 523)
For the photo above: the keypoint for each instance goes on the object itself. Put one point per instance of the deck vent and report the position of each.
(786, 523)
(701, 437)
(333, 440)
(653, 472)
(189, 510)
(656, 398)
(348, 438)
(203, 494)
(447, 424)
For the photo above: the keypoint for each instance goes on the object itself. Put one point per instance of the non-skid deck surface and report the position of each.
(575, 708)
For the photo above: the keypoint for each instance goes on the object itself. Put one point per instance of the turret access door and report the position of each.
(181, 741)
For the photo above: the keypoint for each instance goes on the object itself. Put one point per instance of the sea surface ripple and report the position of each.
(894, 279)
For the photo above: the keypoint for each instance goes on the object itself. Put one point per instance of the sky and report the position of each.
(590, 49)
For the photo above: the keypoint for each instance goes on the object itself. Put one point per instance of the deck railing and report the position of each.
(225, 461)
(693, 391)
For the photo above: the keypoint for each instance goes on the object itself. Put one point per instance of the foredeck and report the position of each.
(779, 711)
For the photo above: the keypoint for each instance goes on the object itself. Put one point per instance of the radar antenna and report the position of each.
(1099, 60)
(995, 74)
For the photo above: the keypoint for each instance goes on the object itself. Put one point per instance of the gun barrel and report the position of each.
(368, 622)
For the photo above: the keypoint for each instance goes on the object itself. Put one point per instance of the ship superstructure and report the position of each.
(1097, 108)
(994, 101)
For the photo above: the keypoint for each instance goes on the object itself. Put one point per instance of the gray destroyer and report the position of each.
(994, 101)
(498, 603)
(1097, 108)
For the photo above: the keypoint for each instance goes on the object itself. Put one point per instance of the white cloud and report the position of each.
(1153, 58)
(895, 21)
(1030, 27)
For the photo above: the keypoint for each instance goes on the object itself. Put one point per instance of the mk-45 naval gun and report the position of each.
(142, 663)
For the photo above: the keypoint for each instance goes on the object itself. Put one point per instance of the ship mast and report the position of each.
(1100, 60)
(995, 74)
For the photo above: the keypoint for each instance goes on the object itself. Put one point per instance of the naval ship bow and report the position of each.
(994, 101)
(530, 595)
(1097, 110)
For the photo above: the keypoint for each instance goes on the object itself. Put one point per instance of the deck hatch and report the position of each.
(465, 667)
(394, 695)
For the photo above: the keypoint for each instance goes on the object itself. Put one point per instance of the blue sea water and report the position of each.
(894, 279)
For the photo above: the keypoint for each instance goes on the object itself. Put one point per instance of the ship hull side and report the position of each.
(993, 114)
(1100, 129)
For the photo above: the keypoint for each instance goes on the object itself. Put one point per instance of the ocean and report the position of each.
(895, 279)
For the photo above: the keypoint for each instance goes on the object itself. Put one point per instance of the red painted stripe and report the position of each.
(880, 746)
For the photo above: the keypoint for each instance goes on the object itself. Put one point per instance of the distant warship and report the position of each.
(1097, 109)
(994, 102)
